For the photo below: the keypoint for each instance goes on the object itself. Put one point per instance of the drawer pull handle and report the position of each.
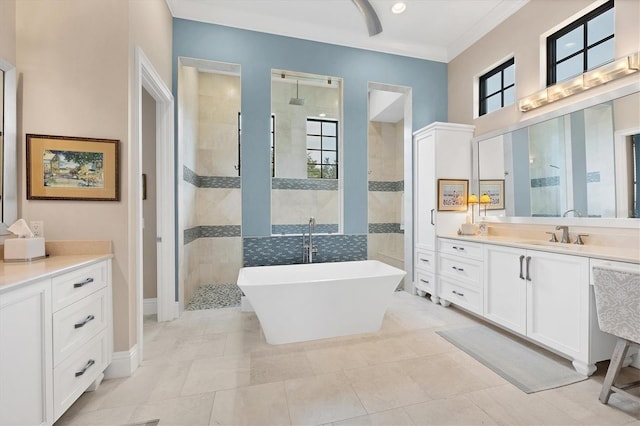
(521, 259)
(457, 293)
(528, 261)
(458, 248)
(84, 322)
(424, 260)
(83, 283)
(424, 281)
(455, 268)
(86, 367)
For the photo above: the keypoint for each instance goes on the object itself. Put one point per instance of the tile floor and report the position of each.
(214, 368)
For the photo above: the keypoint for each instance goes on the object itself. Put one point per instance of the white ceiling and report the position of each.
(438, 30)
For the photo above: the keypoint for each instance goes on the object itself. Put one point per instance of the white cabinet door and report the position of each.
(425, 191)
(558, 302)
(505, 291)
(26, 355)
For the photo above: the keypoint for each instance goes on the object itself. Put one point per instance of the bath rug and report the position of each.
(215, 296)
(530, 369)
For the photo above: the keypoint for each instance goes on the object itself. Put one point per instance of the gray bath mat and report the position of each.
(530, 369)
(213, 296)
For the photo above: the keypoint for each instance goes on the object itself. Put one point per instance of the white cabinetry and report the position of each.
(460, 269)
(441, 151)
(25, 356)
(543, 295)
(55, 342)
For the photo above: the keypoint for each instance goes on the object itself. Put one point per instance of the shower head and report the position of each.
(297, 100)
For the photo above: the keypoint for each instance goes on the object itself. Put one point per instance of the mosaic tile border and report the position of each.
(305, 184)
(385, 228)
(321, 228)
(211, 231)
(387, 186)
(286, 250)
(209, 181)
(545, 181)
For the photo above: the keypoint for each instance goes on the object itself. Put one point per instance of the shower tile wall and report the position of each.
(211, 187)
(386, 186)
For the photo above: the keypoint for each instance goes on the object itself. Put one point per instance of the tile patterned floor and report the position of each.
(214, 367)
(215, 296)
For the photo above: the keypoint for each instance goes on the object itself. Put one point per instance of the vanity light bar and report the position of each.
(601, 75)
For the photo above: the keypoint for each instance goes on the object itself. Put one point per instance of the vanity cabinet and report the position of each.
(441, 151)
(460, 266)
(55, 342)
(26, 364)
(541, 295)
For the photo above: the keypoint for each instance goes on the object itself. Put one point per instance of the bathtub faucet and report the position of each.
(308, 249)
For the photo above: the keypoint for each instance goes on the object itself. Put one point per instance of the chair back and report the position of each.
(618, 302)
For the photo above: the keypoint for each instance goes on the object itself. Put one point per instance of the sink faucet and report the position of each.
(575, 213)
(565, 233)
(309, 249)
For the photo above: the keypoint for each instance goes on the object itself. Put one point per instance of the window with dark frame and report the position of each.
(497, 87)
(583, 45)
(322, 148)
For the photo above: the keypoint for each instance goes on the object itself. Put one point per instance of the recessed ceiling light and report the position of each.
(398, 7)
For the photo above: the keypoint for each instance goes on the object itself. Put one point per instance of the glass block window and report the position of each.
(497, 87)
(583, 45)
(322, 149)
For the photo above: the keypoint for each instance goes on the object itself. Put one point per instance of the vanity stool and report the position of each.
(618, 306)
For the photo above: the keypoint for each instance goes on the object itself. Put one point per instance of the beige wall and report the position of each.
(519, 36)
(8, 30)
(75, 63)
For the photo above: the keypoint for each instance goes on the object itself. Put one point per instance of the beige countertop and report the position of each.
(620, 254)
(17, 274)
(63, 256)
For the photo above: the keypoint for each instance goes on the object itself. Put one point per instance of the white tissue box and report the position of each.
(23, 249)
(469, 229)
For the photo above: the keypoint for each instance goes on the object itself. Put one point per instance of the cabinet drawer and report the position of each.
(425, 281)
(77, 284)
(425, 260)
(460, 268)
(78, 323)
(74, 375)
(462, 295)
(460, 248)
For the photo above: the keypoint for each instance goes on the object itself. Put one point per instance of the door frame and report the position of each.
(145, 76)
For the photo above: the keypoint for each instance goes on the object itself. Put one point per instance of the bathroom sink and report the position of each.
(554, 245)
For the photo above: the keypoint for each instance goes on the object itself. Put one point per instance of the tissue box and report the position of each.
(23, 249)
(469, 228)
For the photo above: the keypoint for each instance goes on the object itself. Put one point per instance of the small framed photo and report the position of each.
(452, 194)
(495, 190)
(72, 168)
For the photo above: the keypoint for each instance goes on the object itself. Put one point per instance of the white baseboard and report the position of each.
(123, 364)
(150, 306)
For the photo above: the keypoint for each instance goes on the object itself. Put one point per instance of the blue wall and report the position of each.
(257, 53)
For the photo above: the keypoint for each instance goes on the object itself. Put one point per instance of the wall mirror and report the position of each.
(578, 164)
(306, 150)
(8, 158)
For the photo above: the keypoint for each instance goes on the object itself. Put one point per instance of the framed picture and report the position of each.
(71, 168)
(452, 194)
(495, 190)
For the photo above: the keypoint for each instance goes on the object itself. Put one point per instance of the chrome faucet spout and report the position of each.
(565, 233)
(309, 248)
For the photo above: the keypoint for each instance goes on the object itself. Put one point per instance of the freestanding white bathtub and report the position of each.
(296, 303)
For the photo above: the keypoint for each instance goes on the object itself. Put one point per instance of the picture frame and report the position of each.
(72, 168)
(495, 190)
(453, 194)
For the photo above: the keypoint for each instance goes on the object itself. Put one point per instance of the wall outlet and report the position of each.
(37, 227)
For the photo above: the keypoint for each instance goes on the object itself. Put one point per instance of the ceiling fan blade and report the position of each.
(371, 17)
